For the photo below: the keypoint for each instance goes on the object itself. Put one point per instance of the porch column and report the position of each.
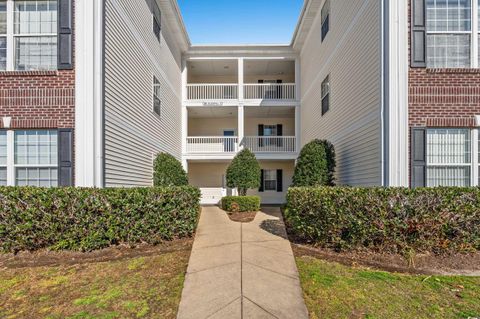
(298, 79)
(240, 79)
(185, 165)
(241, 125)
(184, 129)
(297, 128)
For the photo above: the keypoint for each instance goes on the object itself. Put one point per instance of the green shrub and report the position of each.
(168, 171)
(241, 204)
(88, 219)
(244, 172)
(316, 165)
(397, 220)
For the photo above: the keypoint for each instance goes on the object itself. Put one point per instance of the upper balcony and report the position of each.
(255, 82)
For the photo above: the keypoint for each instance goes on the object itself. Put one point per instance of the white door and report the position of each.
(212, 196)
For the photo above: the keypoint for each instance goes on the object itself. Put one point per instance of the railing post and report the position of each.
(241, 79)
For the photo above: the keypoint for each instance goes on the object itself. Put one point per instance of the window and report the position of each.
(36, 158)
(28, 35)
(156, 28)
(3, 35)
(270, 180)
(325, 19)
(449, 157)
(451, 39)
(326, 95)
(157, 103)
(3, 158)
(270, 130)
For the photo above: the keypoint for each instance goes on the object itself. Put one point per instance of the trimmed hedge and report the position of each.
(87, 219)
(397, 220)
(241, 204)
(168, 172)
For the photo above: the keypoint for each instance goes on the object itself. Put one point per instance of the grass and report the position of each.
(332, 290)
(144, 287)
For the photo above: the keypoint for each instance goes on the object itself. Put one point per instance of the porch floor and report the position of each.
(242, 270)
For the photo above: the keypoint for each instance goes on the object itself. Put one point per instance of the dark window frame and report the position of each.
(326, 95)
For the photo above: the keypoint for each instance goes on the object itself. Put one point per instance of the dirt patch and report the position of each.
(458, 264)
(242, 217)
(49, 258)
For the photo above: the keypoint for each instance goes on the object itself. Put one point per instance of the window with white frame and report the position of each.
(325, 19)
(326, 95)
(3, 35)
(28, 35)
(29, 158)
(3, 158)
(452, 35)
(270, 180)
(157, 102)
(449, 157)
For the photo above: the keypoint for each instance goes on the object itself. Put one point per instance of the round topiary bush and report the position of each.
(168, 172)
(244, 172)
(316, 165)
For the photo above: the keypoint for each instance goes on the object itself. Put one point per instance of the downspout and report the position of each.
(384, 6)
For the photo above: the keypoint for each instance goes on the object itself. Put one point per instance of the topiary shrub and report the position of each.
(168, 172)
(392, 220)
(241, 204)
(84, 219)
(244, 172)
(315, 165)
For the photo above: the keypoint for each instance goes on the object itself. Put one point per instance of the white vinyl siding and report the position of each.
(451, 40)
(133, 132)
(353, 123)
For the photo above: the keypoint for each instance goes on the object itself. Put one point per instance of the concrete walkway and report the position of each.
(241, 270)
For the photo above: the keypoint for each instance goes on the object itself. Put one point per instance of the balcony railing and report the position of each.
(199, 92)
(212, 144)
(270, 144)
(262, 91)
(270, 91)
(257, 144)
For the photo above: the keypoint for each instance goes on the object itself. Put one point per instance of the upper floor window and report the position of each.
(156, 19)
(156, 28)
(326, 95)
(451, 39)
(325, 19)
(28, 35)
(157, 103)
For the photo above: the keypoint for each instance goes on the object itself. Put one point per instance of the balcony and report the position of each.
(216, 92)
(229, 145)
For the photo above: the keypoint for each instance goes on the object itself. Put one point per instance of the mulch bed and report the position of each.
(458, 264)
(242, 217)
(51, 258)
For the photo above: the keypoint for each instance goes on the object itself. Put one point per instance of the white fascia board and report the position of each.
(89, 21)
(395, 94)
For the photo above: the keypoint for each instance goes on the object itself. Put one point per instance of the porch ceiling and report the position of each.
(212, 112)
(266, 67)
(270, 112)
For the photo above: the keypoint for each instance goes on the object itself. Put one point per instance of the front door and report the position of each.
(229, 143)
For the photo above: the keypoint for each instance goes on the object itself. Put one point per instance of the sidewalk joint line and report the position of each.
(256, 304)
(270, 270)
(214, 267)
(228, 304)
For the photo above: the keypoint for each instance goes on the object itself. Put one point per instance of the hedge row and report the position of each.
(437, 220)
(241, 204)
(88, 219)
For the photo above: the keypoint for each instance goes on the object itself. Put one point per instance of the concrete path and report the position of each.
(241, 270)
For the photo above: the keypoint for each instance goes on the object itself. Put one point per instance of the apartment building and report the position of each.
(91, 91)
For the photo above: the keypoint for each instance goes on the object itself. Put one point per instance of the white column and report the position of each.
(89, 94)
(185, 165)
(241, 125)
(241, 79)
(298, 131)
(298, 80)
(184, 129)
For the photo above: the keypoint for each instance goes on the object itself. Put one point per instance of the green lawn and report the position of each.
(143, 287)
(335, 291)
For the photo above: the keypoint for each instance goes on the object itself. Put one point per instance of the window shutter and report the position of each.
(419, 38)
(279, 181)
(280, 133)
(261, 132)
(65, 157)
(419, 160)
(262, 174)
(65, 35)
